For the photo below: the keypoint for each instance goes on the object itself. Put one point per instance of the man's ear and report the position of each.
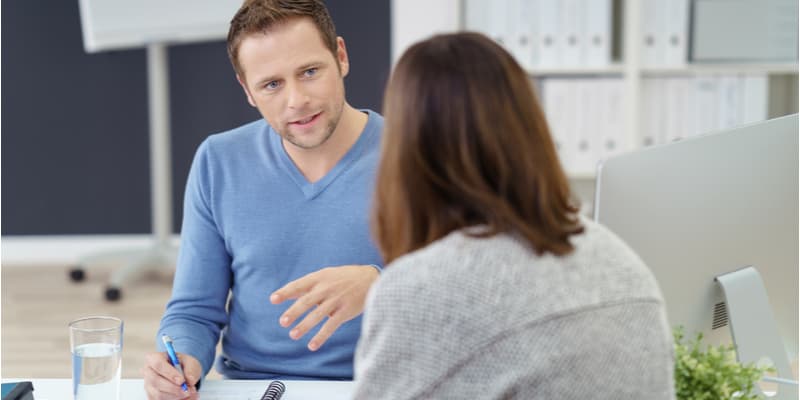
(246, 91)
(341, 56)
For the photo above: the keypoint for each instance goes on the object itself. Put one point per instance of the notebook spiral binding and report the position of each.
(274, 391)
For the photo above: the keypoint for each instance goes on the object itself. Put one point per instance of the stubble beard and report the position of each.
(336, 116)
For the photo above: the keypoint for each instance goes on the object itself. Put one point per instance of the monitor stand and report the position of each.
(753, 327)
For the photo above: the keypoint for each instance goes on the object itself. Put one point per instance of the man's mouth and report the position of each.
(306, 120)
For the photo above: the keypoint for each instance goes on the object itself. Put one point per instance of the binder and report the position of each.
(650, 111)
(499, 23)
(477, 16)
(677, 94)
(549, 43)
(755, 98)
(689, 107)
(571, 22)
(597, 33)
(706, 97)
(659, 110)
(676, 27)
(586, 118)
(559, 112)
(653, 33)
(569, 124)
(613, 140)
(730, 102)
(522, 15)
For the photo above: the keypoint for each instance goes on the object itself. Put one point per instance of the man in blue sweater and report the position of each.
(276, 210)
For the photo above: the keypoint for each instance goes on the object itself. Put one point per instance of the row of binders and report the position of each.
(547, 33)
(586, 115)
(674, 108)
(664, 33)
(586, 119)
(543, 34)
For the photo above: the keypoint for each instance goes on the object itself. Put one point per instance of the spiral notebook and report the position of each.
(274, 391)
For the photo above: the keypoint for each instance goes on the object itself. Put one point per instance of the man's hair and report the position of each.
(467, 144)
(259, 16)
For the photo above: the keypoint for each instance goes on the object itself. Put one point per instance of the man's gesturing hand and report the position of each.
(337, 293)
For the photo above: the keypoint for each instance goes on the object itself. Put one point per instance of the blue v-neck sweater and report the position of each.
(253, 223)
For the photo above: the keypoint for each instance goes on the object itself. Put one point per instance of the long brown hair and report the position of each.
(466, 143)
(258, 16)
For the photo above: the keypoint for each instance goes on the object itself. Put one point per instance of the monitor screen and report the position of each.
(706, 206)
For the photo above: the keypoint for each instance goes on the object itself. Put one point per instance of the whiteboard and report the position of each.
(121, 24)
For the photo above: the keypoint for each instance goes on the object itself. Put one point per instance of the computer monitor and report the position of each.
(707, 206)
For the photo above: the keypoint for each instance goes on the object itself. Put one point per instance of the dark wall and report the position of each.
(75, 156)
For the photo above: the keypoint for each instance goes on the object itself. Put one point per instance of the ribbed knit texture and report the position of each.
(488, 319)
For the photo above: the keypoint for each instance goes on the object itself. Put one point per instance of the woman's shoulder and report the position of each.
(456, 252)
(462, 264)
(605, 258)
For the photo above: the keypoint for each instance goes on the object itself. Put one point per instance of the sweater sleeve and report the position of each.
(196, 312)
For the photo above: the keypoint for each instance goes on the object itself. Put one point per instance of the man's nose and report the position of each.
(298, 96)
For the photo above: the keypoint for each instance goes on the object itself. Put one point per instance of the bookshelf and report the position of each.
(634, 74)
(629, 66)
(701, 68)
(615, 69)
(780, 76)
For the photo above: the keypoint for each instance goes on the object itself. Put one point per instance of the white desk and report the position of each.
(133, 389)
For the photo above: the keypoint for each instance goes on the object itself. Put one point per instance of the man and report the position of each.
(283, 199)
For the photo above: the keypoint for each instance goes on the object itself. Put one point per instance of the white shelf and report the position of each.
(723, 68)
(581, 175)
(689, 69)
(614, 69)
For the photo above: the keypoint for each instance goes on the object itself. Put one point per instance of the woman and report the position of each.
(495, 288)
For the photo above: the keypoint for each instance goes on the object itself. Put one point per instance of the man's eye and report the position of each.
(272, 85)
(311, 72)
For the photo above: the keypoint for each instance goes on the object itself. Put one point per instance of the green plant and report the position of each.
(712, 373)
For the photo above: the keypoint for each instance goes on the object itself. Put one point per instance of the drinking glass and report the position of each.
(96, 345)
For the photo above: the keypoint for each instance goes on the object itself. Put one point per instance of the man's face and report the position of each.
(294, 81)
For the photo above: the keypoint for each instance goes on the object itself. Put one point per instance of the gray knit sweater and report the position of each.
(468, 318)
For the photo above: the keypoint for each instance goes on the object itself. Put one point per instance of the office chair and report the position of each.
(161, 254)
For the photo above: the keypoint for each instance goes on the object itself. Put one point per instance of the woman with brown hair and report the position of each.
(495, 287)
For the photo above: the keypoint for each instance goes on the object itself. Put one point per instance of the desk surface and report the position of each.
(133, 389)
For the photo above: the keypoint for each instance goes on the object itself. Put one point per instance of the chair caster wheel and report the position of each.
(77, 274)
(113, 294)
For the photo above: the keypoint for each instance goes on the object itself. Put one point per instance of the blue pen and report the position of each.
(173, 359)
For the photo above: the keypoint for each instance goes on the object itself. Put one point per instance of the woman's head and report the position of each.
(466, 143)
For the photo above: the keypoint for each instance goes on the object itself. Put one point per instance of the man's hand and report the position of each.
(337, 293)
(163, 382)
